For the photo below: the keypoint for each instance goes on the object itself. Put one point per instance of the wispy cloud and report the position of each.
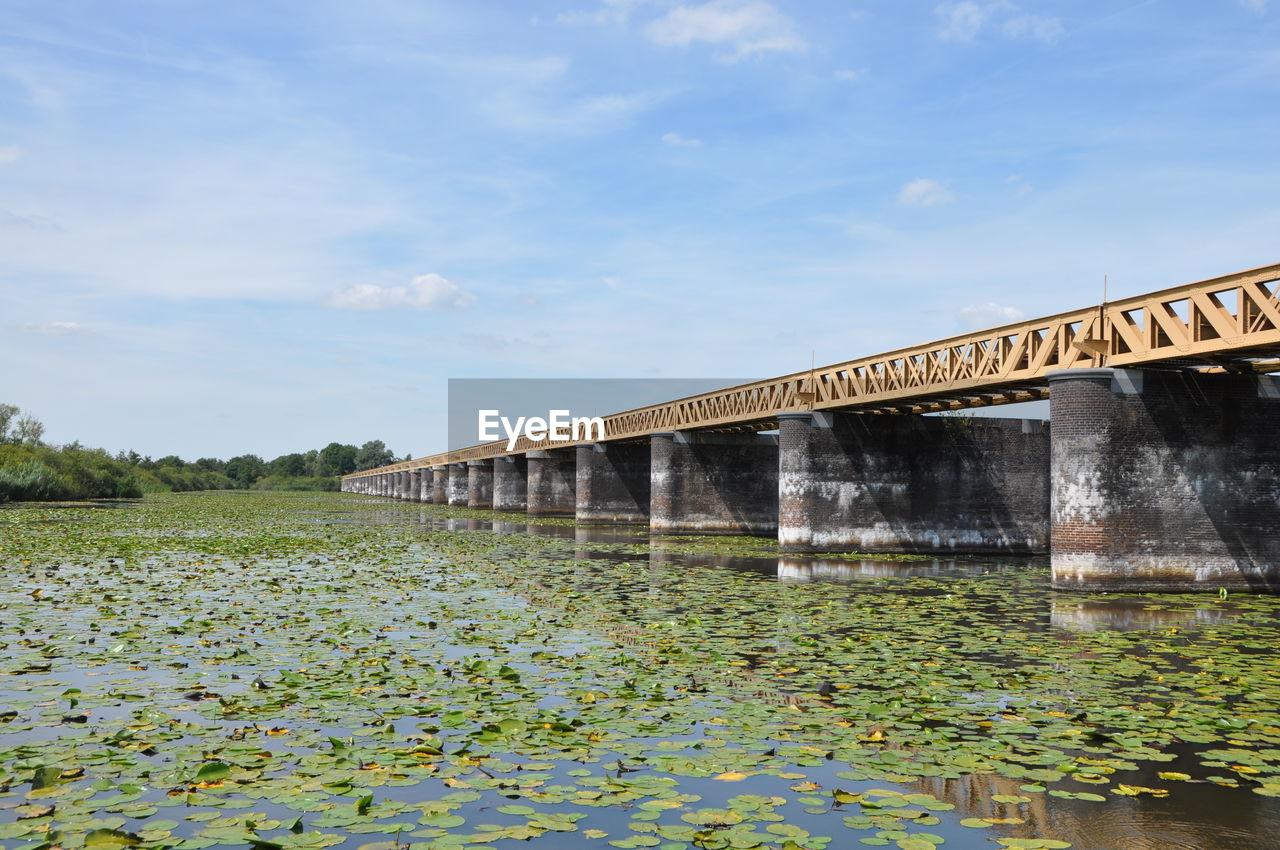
(986, 314)
(849, 75)
(1035, 27)
(609, 12)
(56, 328)
(424, 292)
(10, 154)
(964, 20)
(9, 218)
(1255, 5)
(924, 192)
(749, 27)
(676, 140)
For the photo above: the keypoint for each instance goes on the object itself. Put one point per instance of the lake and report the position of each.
(312, 670)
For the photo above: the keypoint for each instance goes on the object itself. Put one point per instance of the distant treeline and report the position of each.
(31, 470)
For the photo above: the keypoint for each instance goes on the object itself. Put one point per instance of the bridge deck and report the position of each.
(1226, 323)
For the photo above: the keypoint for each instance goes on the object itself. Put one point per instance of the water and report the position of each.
(694, 691)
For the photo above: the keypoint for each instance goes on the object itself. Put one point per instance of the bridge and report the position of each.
(1159, 468)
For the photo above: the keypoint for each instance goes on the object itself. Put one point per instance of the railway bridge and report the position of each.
(1159, 467)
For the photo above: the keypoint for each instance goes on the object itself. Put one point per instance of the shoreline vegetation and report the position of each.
(33, 471)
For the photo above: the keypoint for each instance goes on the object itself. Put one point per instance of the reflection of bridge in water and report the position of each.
(1161, 469)
(1208, 816)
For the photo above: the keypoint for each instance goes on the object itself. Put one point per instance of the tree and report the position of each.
(28, 430)
(244, 470)
(291, 465)
(208, 464)
(373, 454)
(7, 412)
(337, 459)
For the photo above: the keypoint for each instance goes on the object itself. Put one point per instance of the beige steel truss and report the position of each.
(1229, 323)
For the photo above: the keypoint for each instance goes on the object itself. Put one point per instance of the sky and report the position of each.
(233, 226)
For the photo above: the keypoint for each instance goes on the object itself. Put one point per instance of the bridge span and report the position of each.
(1158, 470)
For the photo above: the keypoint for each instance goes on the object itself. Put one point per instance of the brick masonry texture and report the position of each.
(913, 484)
(1176, 487)
(552, 482)
(714, 483)
(459, 484)
(510, 483)
(613, 482)
(480, 483)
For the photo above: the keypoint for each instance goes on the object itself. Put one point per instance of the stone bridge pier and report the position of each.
(706, 483)
(912, 484)
(1165, 480)
(510, 483)
(440, 485)
(612, 482)
(459, 484)
(480, 483)
(552, 482)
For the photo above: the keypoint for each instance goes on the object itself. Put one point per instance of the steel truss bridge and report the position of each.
(1229, 323)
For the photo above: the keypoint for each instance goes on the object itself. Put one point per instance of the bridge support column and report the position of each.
(382, 483)
(415, 485)
(552, 482)
(922, 484)
(714, 483)
(459, 484)
(612, 482)
(402, 485)
(1165, 480)
(480, 483)
(510, 483)
(425, 477)
(439, 485)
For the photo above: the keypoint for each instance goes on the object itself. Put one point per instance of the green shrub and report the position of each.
(31, 481)
(43, 473)
(297, 482)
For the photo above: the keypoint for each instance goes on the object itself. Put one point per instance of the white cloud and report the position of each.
(678, 141)
(612, 282)
(615, 12)
(10, 153)
(962, 21)
(1020, 184)
(1255, 5)
(424, 292)
(748, 26)
(923, 192)
(849, 75)
(55, 328)
(986, 314)
(1034, 27)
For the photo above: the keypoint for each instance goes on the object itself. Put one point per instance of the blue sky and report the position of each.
(234, 226)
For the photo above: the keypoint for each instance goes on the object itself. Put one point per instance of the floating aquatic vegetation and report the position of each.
(224, 669)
